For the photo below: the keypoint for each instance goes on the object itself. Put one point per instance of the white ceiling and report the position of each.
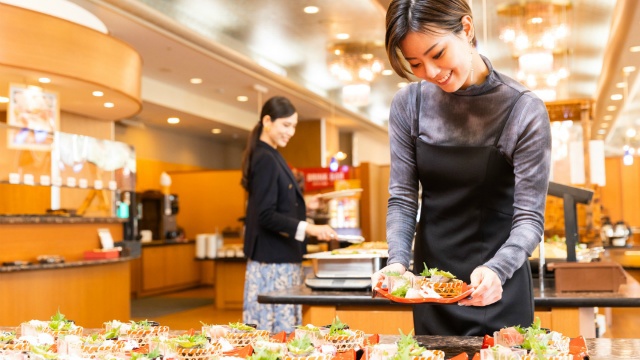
(222, 41)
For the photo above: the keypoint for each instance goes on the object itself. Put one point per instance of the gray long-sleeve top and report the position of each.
(471, 117)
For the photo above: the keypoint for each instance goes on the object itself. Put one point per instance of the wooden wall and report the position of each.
(209, 200)
(373, 202)
(304, 148)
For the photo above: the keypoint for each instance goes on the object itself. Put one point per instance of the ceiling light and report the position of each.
(311, 9)
(354, 62)
(634, 49)
(616, 97)
(342, 36)
(602, 131)
(97, 93)
(4, 99)
(109, 105)
(196, 81)
(607, 117)
(216, 131)
(621, 85)
(242, 98)
(44, 80)
(173, 120)
(611, 108)
(387, 72)
(604, 125)
(628, 69)
(402, 84)
(631, 132)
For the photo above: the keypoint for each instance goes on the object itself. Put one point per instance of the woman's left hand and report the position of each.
(487, 288)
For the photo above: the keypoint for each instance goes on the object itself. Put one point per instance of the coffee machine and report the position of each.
(129, 208)
(159, 214)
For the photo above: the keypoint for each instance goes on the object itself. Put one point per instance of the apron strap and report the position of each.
(504, 123)
(416, 120)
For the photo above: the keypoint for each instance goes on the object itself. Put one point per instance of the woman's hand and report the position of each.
(322, 232)
(379, 275)
(487, 288)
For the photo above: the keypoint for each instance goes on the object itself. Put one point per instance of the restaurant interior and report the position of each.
(147, 107)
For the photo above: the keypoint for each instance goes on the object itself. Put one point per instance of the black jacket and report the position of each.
(274, 210)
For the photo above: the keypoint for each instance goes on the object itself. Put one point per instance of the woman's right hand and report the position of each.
(379, 275)
(322, 232)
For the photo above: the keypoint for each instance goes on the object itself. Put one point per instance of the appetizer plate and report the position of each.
(466, 291)
(577, 346)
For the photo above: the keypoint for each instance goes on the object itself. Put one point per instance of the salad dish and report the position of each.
(431, 286)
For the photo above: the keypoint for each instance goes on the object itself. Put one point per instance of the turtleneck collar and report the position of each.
(488, 83)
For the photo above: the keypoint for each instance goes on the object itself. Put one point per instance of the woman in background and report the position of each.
(479, 144)
(275, 230)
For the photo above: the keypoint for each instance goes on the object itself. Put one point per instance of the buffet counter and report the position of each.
(571, 313)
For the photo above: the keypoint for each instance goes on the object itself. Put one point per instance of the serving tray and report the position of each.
(466, 291)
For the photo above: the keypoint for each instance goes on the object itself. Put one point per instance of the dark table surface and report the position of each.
(545, 295)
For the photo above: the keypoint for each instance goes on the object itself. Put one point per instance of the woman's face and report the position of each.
(279, 132)
(442, 59)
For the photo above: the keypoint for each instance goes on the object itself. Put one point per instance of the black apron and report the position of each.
(466, 216)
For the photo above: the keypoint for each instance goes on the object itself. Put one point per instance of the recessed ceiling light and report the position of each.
(629, 69)
(387, 72)
(342, 36)
(44, 80)
(611, 108)
(607, 117)
(631, 132)
(173, 120)
(109, 104)
(402, 84)
(4, 99)
(242, 98)
(621, 85)
(97, 93)
(634, 49)
(604, 125)
(216, 131)
(311, 9)
(602, 131)
(616, 97)
(196, 81)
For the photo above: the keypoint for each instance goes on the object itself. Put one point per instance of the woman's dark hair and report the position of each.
(423, 16)
(276, 107)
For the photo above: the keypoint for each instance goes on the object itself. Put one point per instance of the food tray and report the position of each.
(577, 347)
(466, 291)
(241, 339)
(346, 342)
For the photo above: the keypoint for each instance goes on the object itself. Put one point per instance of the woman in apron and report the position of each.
(479, 144)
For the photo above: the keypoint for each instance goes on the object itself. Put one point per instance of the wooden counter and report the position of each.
(88, 292)
(569, 313)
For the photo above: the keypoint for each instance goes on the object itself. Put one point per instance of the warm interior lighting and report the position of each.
(4, 99)
(612, 108)
(195, 81)
(97, 93)
(340, 156)
(537, 32)
(109, 104)
(354, 62)
(311, 9)
(242, 98)
(44, 80)
(607, 117)
(173, 120)
(216, 131)
(634, 49)
(616, 97)
(628, 69)
(342, 36)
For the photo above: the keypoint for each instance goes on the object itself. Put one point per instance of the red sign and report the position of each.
(323, 178)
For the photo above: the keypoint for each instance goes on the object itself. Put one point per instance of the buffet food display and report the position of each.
(59, 338)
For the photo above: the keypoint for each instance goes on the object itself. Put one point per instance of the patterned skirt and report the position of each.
(262, 278)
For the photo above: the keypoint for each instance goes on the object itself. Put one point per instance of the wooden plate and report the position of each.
(466, 291)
